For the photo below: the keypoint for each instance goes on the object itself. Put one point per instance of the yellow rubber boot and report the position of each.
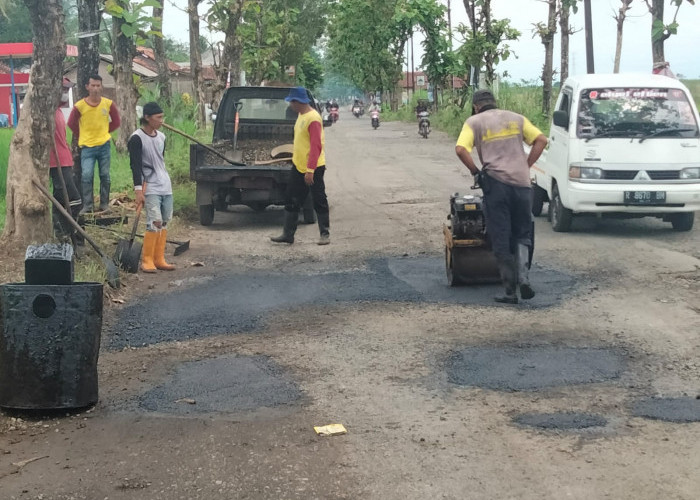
(149, 247)
(159, 256)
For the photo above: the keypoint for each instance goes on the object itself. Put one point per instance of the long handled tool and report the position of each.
(128, 253)
(110, 268)
(205, 146)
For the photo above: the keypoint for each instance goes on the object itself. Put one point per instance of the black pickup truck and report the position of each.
(265, 122)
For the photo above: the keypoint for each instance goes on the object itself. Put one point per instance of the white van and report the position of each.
(622, 145)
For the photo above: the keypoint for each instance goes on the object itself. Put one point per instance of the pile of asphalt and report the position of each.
(240, 302)
(226, 384)
(531, 368)
(561, 421)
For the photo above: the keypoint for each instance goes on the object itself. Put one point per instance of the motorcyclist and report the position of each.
(421, 108)
(374, 107)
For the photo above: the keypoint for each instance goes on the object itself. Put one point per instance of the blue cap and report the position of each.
(298, 94)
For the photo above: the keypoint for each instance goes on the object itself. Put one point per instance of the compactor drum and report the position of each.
(468, 256)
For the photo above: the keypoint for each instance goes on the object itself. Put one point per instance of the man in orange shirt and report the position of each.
(92, 120)
(309, 167)
(65, 163)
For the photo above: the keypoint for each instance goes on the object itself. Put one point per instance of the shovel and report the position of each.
(205, 146)
(110, 268)
(128, 253)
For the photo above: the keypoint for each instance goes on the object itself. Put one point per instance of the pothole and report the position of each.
(561, 421)
(678, 410)
(223, 385)
(530, 368)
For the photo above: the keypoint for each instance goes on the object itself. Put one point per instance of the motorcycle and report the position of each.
(334, 114)
(357, 111)
(374, 116)
(423, 124)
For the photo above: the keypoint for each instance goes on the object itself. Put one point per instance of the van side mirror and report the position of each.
(561, 119)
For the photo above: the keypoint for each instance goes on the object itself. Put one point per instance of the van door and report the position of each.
(558, 152)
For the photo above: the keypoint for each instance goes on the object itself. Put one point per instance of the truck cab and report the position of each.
(622, 145)
(251, 124)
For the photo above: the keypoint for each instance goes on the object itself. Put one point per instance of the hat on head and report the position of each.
(298, 94)
(67, 84)
(482, 96)
(151, 108)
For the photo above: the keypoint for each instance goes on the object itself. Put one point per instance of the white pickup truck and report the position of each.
(621, 145)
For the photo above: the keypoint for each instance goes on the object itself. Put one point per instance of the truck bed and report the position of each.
(206, 166)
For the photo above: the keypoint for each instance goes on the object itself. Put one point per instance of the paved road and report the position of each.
(213, 377)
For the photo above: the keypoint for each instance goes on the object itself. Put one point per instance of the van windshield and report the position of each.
(636, 113)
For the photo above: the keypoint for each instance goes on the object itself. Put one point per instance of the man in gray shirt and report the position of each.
(498, 137)
(152, 186)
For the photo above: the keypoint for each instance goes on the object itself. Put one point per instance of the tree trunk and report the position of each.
(28, 216)
(564, 32)
(196, 62)
(620, 21)
(547, 36)
(161, 60)
(233, 50)
(89, 18)
(657, 15)
(123, 53)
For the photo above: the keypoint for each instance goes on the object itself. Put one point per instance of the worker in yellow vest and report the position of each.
(92, 120)
(308, 169)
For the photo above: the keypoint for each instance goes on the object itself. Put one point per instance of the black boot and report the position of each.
(506, 266)
(324, 224)
(104, 195)
(290, 227)
(523, 257)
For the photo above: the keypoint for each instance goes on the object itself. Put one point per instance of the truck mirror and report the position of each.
(561, 119)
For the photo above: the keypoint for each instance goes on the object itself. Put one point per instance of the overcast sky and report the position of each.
(681, 49)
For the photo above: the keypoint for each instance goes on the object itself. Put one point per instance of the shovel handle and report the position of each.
(208, 148)
(68, 217)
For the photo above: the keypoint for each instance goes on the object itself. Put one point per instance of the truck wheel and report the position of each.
(538, 197)
(206, 214)
(559, 215)
(683, 222)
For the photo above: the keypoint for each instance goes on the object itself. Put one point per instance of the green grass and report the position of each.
(5, 138)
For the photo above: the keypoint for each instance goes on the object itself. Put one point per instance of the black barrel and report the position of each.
(49, 344)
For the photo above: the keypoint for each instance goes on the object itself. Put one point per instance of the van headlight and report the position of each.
(585, 173)
(690, 173)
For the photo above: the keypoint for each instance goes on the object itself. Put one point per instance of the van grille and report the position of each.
(664, 175)
(619, 175)
(628, 175)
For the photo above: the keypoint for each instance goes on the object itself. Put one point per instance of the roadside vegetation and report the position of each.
(524, 98)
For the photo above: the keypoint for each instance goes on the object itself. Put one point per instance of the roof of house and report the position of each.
(138, 69)
(146, 57)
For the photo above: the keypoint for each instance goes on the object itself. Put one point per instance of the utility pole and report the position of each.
(449, 28)
(590, 68)
(413, 70)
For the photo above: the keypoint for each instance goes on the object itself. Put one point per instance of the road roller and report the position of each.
(469, 259)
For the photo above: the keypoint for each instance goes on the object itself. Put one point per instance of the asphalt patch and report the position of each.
(531, 368)
(227, 384)
(240, 302)
(561, 421)
(678, 410)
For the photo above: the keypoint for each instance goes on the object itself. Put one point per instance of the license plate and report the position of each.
(644, 197)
